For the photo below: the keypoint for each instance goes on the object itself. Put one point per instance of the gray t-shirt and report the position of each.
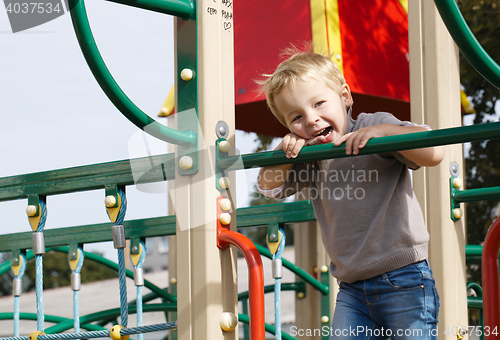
(370, 219)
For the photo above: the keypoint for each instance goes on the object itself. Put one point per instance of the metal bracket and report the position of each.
(187, 92)
(455, 184)
(219, 173)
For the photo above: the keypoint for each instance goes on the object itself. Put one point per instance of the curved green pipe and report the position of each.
(114, 312)
(183, 9)
(324, 289)
(108, 263)
(269, 328)
(288, 286)
(50, 318)
(112, 89)
(467, 42)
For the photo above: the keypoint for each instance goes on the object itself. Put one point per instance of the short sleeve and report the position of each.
(387, 118)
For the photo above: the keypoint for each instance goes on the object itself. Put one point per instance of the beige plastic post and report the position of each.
(435, 101)
(206, 276)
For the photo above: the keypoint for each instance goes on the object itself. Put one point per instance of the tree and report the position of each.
(56, 273)
(482, 165)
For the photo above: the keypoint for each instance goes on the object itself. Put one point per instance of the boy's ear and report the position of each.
(346, 95)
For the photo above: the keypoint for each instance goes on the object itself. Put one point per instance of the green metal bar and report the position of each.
(49, 318)
(473, 250)
(375, 145)
(475, 302)
(269, 328)
(150, 227)
(295, 286)
(89, 177)
(467, 42)
(112, 89)
(323, 289)
(291, 212)
(183, 9)
(157, 226)
(475, 195)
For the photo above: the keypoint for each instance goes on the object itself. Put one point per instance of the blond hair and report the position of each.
(299, 66)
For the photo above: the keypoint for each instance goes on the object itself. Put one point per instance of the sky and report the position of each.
(54, 114)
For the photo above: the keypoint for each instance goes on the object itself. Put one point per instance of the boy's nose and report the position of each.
(312, 119)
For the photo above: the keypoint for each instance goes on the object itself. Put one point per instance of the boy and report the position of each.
(371, 224)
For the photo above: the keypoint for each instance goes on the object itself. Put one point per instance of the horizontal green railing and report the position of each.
(376, 145)
(476, 195)
(89, 177)
(157, 226)
(110, 86)
(467, 42)
(184, 9)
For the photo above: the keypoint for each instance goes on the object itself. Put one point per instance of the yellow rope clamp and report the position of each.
(17, 268)
(114, 333)
(114, 211)
(35, 220)
(34, 335)
(273, 246)
(136, 257)
(74, 263)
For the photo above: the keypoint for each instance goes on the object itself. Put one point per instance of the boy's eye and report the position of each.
(296, 118)
(318, 104)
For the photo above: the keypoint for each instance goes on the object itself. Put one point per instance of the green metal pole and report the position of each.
(375, 145)
(183, 9)
(112, 89)
(475, 195)
(467, 42)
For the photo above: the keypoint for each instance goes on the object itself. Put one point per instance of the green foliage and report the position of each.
(57, 273)
(482, 165)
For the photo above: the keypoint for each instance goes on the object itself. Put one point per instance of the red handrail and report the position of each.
(491, 285)
(255, 277)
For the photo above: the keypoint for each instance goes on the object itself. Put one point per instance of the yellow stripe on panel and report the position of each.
(404, 4)
(326, 29)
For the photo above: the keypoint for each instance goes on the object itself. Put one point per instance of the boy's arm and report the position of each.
(271, 177)
(356, 140)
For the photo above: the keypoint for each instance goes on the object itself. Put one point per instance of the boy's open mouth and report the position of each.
(325, 132)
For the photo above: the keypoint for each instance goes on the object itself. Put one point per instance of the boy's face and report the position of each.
(314, 111)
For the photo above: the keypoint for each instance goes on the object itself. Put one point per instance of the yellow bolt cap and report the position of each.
(187, 74)
(31, 210)
(225, 204)
(224, 182)
(225, 218)
(173, 280)
(325, 319)
(323, 269)
(457, 213)
(224, 146)
(457, 182)
(185, 162)
(300, 295)
(110, 201)
(228, 321)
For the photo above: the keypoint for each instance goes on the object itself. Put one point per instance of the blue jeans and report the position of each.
(402, 304)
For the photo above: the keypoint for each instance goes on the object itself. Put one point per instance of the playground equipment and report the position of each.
(205, 122)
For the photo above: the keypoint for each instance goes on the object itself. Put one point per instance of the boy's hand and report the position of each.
(291, 144)
(358, 139)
